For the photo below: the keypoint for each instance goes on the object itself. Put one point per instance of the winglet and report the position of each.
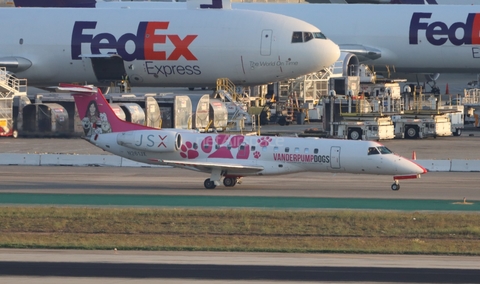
(209, 4)
(95, 112)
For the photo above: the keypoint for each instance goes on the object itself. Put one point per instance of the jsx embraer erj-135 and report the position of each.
(160, 47)
(231, 157)
(404, 38)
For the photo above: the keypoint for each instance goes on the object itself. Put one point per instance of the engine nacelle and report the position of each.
(150, 140)
(349, 64)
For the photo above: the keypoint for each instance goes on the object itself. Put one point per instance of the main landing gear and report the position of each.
(227, 181)
(395, 185)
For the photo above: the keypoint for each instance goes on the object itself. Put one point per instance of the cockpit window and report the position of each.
(373, 151)
(297, 37)
(307, 36)
(384, 150)
(319, 35)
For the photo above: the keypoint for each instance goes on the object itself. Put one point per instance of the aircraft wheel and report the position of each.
(209, 184)
(395, 186)
(354, 134)
(411, 132)
(15, 134)
(457, 132)
(229, 181)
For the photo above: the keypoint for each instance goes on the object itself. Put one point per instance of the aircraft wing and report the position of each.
(208, 167)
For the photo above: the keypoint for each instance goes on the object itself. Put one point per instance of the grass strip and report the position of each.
(240, 230)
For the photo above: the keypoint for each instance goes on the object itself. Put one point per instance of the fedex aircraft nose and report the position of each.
(304, 47)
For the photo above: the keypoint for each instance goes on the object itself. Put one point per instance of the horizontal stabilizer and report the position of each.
(77, 88)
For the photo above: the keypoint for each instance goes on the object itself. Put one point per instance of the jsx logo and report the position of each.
(144, 40)
(438, 33)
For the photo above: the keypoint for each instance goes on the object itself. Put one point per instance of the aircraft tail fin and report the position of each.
(95, 112)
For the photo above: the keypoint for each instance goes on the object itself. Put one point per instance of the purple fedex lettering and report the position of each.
(144, 41)
(216, 4)
(438, 33)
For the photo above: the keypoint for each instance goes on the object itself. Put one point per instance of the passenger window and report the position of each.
(252, 148)
(297, 37)
(275, 149)
(287, 149)
(297, 149)
(306, 151)
(264, 149)
(315, 151)
(373, 151)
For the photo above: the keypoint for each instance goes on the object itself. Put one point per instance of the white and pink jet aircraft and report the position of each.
(230, 156)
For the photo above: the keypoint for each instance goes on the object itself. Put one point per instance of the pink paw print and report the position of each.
(264, 141)
(188, 151)
(256, 154)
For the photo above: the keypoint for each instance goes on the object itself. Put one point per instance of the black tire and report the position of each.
(229, 181)
(411, 132)
(354, 134)
(209, 184)
(395, 187)
(457, 132)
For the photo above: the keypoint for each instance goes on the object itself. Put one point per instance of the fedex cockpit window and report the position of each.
(306, 36)
(297, 37)
(319, 35)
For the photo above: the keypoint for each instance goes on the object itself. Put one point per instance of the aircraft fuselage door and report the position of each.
(335, 157)
(266, 43)
(108, 68)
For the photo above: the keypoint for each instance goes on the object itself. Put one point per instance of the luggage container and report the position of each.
(176, 111)
(42, 119)
(201, 111)
(218, 114)
(133, 113)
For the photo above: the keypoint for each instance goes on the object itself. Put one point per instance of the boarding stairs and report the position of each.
(10, 87)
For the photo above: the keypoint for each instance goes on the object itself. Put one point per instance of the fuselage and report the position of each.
(276, 155)
(158, 47)
(410, 38)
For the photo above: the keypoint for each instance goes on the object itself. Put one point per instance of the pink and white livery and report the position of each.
(230, 156)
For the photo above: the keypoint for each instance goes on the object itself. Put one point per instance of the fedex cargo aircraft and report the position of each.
(395, 38)
(186, 47)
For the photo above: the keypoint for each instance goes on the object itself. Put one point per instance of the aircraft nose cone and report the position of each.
(330, 52)
(410, 167)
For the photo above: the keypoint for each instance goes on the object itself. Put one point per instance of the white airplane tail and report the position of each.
(95, 112)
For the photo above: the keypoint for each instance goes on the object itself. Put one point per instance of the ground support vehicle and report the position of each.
(422, 125)
(457, 117)
(365, 128)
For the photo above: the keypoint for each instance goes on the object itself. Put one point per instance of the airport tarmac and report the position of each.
(233, 267)
(184, 267)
